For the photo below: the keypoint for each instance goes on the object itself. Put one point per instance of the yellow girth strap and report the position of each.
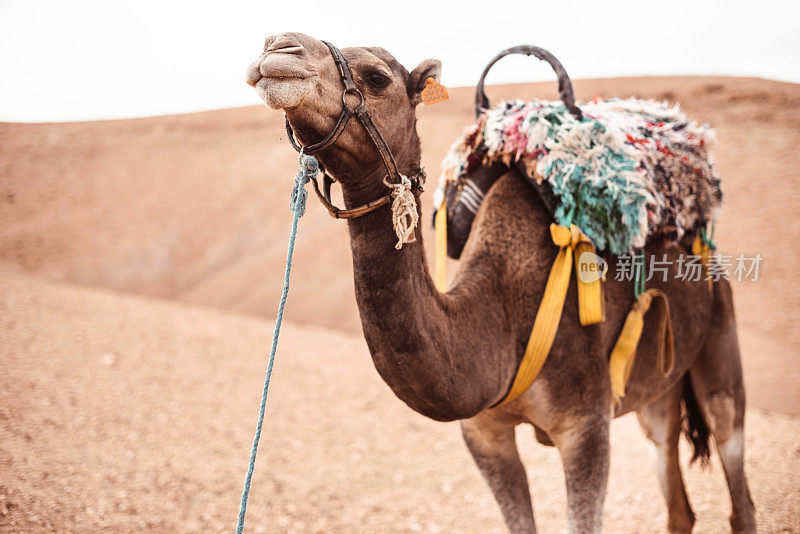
(591, 304)
(548, 316)
(624, 353)
(701, 248)
(440, 257)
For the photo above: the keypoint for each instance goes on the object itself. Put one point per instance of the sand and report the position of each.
(140, 264)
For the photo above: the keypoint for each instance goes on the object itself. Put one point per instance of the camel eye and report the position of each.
(377, 80)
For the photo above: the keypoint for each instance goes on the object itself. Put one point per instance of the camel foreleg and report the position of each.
(494, 447)
(585, 449)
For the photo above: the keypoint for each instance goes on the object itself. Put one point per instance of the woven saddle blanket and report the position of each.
(630, 169)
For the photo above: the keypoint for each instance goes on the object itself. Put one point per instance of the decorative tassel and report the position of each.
(404, 211)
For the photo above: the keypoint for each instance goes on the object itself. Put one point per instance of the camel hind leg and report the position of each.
(494, 448)
(661, 422)
(719, 388)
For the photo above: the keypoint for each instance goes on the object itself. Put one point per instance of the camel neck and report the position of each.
(415, 338)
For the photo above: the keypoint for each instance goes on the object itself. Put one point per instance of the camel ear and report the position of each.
(429, 68)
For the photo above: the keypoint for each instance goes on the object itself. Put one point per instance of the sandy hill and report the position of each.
(193, 207)
(137, 256)
(124, 413)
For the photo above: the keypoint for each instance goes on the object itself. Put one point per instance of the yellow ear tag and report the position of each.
(433, 92)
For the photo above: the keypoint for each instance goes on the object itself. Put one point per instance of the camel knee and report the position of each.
(720, 411)
(658, 430)
(660, 420)
(731, 451)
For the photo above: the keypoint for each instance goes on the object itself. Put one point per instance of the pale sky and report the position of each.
(99, 59)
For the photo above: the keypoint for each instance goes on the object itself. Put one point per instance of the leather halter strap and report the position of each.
(337, 213)
(361, 113)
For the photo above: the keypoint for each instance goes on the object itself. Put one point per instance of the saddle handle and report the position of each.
(564, 83)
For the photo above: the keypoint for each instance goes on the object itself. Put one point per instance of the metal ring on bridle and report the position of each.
(353, 90)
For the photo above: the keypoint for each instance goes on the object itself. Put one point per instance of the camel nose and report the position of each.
(284, 43)
(285, 55)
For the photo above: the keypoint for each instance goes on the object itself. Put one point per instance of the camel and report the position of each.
(452, 356)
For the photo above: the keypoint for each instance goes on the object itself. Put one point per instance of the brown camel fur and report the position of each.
(453, 355)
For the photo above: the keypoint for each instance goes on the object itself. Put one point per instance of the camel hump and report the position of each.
(628, 170)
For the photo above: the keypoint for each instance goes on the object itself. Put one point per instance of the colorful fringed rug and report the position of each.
(629, 169)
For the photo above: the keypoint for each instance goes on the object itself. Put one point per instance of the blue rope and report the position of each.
(308, 170)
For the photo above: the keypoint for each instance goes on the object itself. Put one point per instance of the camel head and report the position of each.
(297, 74)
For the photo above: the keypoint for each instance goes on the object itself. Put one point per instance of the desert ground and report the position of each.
(140, 267)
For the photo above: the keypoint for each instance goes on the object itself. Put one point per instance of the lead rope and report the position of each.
(309, 167)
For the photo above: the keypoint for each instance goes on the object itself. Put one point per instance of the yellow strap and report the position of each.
(591, 304)
(440, 257)
(623, 355)
(700, 248)
(548, 316)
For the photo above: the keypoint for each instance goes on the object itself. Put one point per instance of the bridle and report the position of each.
(393, 176)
